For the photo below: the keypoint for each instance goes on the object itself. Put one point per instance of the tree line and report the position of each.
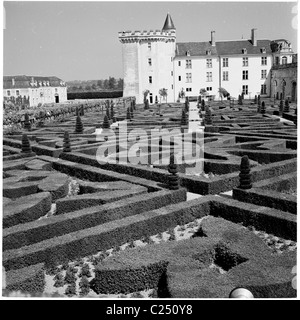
(95, 85)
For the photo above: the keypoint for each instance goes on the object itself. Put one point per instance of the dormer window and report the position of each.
(244, 51)
(263, 50)
(208, 52)
(188, 53)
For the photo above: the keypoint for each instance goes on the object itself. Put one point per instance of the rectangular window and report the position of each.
(179, 63)
(263, 89)
(225, 62)
(208, 63)
(245, 74)
(264, 74)
(179, 78)
(245, 89)
(188, 89)
(208, 88)
(263, 61)
(150, 62)
(8, 92)
(172, 87)
(17, 92)
(225, 75)
(149, 45)
(188, 77)
(245, 62)
(172, 73)
(188, 64)
(150, 79)
(208, 76)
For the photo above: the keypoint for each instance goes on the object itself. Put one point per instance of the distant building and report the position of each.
(153, 60)
(284, 80)
(36, 89)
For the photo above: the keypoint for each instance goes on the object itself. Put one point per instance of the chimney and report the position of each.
(13, 82)
(213, 41)
(253, 37)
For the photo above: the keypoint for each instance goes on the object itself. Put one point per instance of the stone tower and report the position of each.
(148, 61)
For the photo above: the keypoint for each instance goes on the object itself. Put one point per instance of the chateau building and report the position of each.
(34, 89)
(153, 60)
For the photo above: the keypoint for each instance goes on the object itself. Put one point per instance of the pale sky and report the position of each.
(79, 40)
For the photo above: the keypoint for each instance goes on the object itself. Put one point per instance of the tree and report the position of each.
(111, 83)
(120, 84)
(94, 87)
(164, 93)
(105, 84)
(99, 83)
(223, 93)
(145, 93)
(88, 87)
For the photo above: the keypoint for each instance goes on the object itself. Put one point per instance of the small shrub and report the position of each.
(71, 290)
(85, 271)
(69, 277)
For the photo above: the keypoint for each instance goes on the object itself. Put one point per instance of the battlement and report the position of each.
(146, 35)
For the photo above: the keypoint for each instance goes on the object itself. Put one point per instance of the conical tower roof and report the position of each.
(169, 25)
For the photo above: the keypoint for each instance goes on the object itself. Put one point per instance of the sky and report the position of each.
(79, 40)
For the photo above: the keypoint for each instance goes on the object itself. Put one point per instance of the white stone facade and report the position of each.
(37, 89)
(239, 66)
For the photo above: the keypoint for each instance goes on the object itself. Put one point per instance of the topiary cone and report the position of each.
(208, 117)
(173, 179)
(263, 108)
(27, 124)
(183, 118)
(245, 176)
(79, 126)
(66, 142)
(26, 148)
(286, 107)
(281, 107)
(106, 124)
(128, 115)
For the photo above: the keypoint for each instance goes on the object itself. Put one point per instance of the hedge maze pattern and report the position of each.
(75, 227)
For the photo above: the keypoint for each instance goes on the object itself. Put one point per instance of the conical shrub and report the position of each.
(79, 125)
(245, 176)
(66, 142)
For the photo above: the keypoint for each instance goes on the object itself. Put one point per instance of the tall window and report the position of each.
(245, 75)
(263, 61)
(225, 62)
(188, 77)
(149, 45)
(263, 89)
(284, 60)
(277, 61)
(150, 79)
(17, 92)
(245, 62)
(263, 74)
(208, 63)
(179, 63)
(208, 88)
(149, 61)
(188, 64)
(208, 76)
(245, 89)
(179, 78)
(225, 75)
(8, 92)
(171, 73)
(188, 89)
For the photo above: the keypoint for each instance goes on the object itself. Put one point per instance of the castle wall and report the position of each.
(131, 69)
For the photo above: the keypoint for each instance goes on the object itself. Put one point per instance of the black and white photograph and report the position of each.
(149, 153)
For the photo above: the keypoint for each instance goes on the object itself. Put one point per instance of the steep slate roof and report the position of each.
(222, 47)
(24, 81)
(195, 48)
(169, 25)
